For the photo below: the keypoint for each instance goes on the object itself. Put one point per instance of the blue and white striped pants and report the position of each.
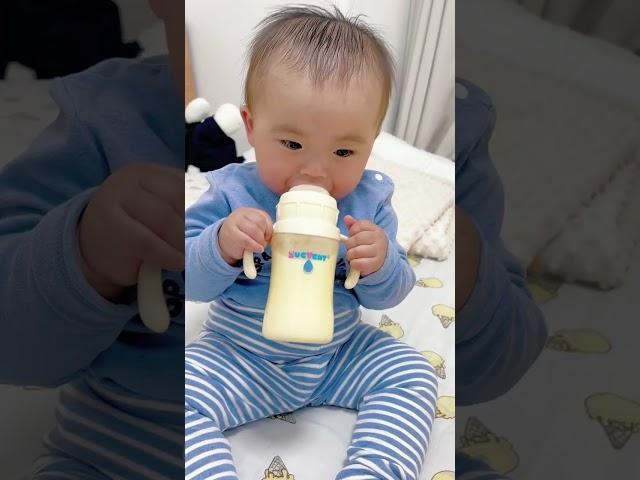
(104, 432)
(391, 385)
(468, 468)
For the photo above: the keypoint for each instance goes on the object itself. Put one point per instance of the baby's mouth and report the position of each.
(298, 182)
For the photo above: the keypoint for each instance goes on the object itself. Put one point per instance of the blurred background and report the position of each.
(613, 20)
(562, 79)
(44, 39)
(40, 40)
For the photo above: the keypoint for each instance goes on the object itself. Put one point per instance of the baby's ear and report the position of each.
(248, 123)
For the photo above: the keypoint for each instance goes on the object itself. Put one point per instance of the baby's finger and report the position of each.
(268, 233)
(367, 237)
(361, 251)
(362, 226)
(166, 183)
(349, 221)
(364, 265)
(253, 231)
(150, 248)
(262, 219)
(159, 216)
(246, 242)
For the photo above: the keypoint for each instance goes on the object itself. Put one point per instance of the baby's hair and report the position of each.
(322, 43)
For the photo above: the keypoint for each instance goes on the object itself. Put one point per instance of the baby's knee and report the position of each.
(197, 414)
(418, 375)
(201, 397)
(428, 370)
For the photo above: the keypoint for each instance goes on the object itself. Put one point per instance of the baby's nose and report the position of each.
(314, 168)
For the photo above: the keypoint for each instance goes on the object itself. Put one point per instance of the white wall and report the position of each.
(135, 17)
(220, 30)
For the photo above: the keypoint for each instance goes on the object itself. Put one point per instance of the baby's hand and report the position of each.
(135, 217)
(245, 229)
(367, 245)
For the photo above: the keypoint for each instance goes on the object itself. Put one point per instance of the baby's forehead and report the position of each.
(281, 75)
(285, 89)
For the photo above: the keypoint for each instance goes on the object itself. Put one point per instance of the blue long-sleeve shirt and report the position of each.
(500, 331)
(238, 185)
(54, 326)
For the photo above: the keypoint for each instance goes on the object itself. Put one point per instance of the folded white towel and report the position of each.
(596, 245)
(423, 197)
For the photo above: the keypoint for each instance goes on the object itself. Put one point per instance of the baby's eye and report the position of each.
(343, 152)
(291, 145)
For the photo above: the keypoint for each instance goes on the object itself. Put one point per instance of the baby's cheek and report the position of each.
(272, 177)
(341, 189)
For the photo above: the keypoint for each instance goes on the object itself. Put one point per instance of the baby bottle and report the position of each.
(304, 250)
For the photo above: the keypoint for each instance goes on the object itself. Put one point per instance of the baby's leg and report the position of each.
(56, 466)
(475, 469)
(224, 387)
(394, 390)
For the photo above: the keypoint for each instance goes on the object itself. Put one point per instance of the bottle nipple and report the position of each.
(310, 188)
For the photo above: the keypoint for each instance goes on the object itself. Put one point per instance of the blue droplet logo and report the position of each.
(308, 266)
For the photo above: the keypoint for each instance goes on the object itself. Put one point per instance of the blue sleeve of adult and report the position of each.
(500, 330)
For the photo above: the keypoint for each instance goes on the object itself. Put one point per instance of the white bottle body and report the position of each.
(300, 300)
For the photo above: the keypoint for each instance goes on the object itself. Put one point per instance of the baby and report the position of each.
(317, 90)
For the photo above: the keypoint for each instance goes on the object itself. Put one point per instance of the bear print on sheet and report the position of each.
(437, 362)
(389, 326)
(481, 443)
(288, 417)
(446, 407)
(277, 471)
(543, 288)
(618, 416)
(429, 282)
(444, 475)
(578, 341)
(414, 260)
(444, 313)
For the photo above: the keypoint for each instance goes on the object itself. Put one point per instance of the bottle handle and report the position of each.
(248, 266)
(151, 305)
(250, 269)
(354, 275)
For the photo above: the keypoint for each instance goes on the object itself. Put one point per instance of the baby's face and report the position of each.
(306, 135)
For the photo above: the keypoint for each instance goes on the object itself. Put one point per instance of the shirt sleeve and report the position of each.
(209, 275)
(500, 330)
(390, 285)
(54, 324)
